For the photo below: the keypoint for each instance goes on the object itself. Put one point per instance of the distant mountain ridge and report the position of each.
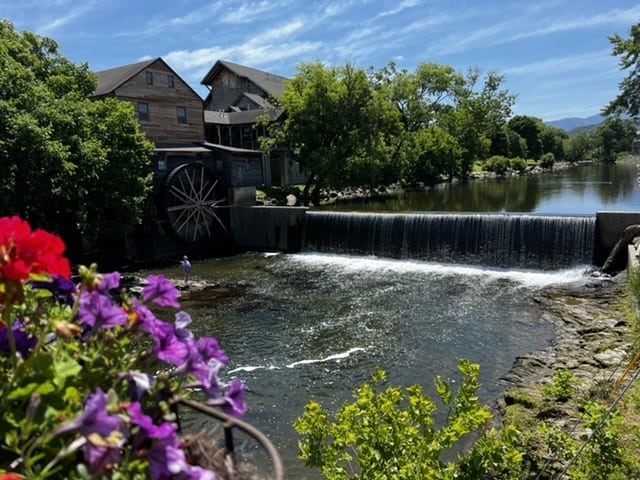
(576, 122)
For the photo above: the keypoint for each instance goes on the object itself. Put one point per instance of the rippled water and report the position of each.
(307, 326)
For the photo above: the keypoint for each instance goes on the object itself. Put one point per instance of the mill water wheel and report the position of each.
(192, 200)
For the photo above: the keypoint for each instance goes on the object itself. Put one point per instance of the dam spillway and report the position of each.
(494, 240)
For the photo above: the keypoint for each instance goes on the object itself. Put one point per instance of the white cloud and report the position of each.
(562, 65)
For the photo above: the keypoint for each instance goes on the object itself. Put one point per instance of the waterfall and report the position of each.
(495, 240)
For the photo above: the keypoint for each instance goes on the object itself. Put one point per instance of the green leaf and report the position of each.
(23, 392)
(65, 369)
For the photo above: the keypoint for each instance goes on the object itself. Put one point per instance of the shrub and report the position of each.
(497, 164)
(518, 164)
(562, 388)
(547, 160)
(392, 434)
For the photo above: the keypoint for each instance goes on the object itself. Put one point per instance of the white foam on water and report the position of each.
(529, 278)
(335, 357)
(249, 368)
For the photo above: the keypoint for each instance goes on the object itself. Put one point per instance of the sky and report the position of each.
(555, 55)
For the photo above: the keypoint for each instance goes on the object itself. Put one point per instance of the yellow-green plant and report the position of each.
(392, 434)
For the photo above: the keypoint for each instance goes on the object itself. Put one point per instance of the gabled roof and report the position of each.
(257, 99)
(270, 83)
(244, 117)
(110, 80)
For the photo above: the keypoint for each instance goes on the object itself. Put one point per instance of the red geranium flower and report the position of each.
(24, 251)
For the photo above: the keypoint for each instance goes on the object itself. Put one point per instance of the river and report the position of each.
(315, 326)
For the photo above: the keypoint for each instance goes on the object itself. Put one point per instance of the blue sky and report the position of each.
(555, 54)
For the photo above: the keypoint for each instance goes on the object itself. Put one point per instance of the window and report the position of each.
(170, 81)
(143, 111)
(182, 114)
(149, 77)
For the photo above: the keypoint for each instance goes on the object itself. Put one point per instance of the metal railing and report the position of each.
(230, 423)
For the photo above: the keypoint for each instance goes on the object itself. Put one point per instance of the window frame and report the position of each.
(148, 75)
(182, 119)
(143, 112)
(171, 81)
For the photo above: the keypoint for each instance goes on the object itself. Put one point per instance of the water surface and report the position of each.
(582, 190)
(315, 327)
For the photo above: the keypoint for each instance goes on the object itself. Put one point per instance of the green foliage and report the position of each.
(530, 129)
(434, 152)
(579, 148)
(497, 164)
(547, 160)
(337, 127)
(613, 137)
(518, 164)
(562, 387)
(346, 127)
(628, 49)
(74, 166)
(392, 434)
(602, 458)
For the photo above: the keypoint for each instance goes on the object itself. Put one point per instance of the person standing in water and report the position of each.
(186, 269)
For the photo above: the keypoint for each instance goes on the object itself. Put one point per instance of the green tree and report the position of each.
(579, 147)
(481, 110)
(613, 137)
(529, 128)
(70, 165)
(552, 140)
(470, 110)
(507, 143)
(432, 151)
(337, 127)
(628, 49)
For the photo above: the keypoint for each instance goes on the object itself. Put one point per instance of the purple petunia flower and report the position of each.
(234, 399)
(25, 342)
(210, 349)
(139, 384)
(197, 473)
(100, 457)
(204, 361)
(104, 434)
(161, 292)
(149, 430)
(61, 288)
(168, 347)
(183, 320)
(93, 419)
(232, 402)
(98, 311)
(109, 282)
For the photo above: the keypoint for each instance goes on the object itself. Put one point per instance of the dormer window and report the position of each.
(149, 77)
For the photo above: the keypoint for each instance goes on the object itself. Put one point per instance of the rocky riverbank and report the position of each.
(593, 341)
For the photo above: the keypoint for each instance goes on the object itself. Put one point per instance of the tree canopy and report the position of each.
(346, 126)
(71, 165)
(628, 49)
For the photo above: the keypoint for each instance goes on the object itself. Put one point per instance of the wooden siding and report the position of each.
(162, 127)
(226, 89)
